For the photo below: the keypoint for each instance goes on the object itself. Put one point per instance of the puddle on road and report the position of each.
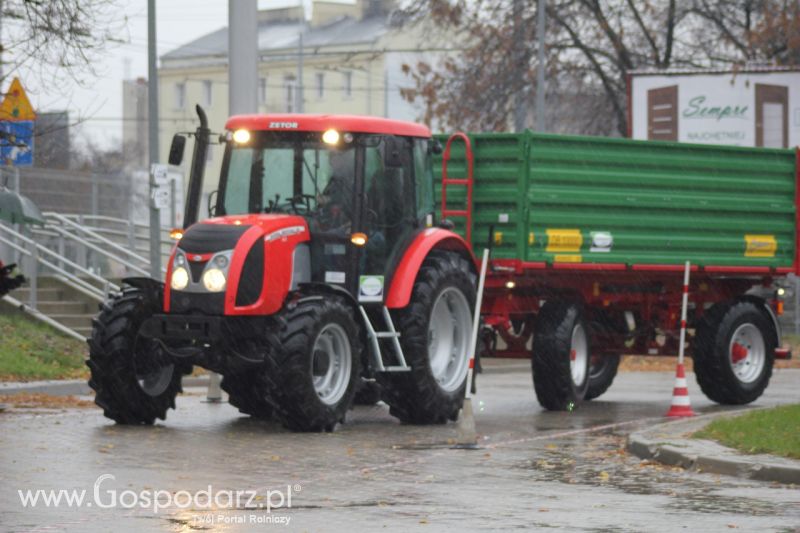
(603, 462)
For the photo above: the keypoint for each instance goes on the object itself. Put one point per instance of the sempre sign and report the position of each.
(738, 108)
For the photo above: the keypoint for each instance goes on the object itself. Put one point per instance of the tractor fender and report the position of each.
(145, 284)
(403, 277)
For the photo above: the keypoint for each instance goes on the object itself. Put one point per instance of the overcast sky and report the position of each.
(178, 22)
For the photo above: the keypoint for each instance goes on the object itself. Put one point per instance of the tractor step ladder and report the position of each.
(465, 182)
(374, 337)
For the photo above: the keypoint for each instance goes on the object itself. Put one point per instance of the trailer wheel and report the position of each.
(312, 374)
(602, 371)
(134, 380)
(246, 392)
(734, 351)
(435, 333)
(560, 358)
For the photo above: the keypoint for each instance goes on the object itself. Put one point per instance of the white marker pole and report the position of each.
(467, 436)
(476, 319)
(684, 306)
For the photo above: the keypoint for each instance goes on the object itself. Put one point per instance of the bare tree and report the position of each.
(592, 46)
(56, 39)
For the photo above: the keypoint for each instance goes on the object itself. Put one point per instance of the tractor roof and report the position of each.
(342, 123)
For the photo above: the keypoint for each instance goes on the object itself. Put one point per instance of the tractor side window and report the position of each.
(237, 189)
(423, 177)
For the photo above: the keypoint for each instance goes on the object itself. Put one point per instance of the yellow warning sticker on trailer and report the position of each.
(568, 258)
(531, 238)
(760, 245)
(564, 240)
(498, 237)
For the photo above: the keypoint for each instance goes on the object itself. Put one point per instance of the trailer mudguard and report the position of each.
(402, 281)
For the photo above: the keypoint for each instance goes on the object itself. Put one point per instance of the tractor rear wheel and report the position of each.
(435, 331)
(134, 379)
(560, 357)
(312, 374)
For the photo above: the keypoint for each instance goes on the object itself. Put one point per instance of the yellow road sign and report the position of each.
(16, 106)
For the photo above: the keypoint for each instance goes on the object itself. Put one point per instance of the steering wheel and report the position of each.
(300, 199)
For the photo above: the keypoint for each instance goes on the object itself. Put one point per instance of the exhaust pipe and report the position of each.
(202, 137)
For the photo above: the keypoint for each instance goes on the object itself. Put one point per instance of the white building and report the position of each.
(352, 59)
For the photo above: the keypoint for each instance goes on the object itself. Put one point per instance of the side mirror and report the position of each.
(436, 147)
(176, 149)
(212, 204)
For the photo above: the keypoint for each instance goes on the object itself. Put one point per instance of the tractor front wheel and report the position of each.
(134, 379)
(312, 375)
(246, 392)
(435, 331)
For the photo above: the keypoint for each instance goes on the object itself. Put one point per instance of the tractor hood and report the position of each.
(234, 265)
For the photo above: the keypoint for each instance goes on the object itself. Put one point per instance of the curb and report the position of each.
(73, 387)
(669, 444)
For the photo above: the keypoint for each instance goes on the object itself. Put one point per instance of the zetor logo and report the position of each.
(283, 125)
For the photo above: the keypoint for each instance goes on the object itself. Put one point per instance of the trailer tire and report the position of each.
(734, 352)
(315, 335)
(119, 360)
(560, 338)
(246, 392)
(601, 375)
(444, 285)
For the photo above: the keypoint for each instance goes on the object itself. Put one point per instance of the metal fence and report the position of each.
(70, 191)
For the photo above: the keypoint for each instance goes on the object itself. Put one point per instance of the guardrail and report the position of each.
(79, 278)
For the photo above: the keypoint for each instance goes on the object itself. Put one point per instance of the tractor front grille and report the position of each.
(197, 302)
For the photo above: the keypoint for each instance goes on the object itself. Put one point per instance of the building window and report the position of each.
(207, 91)
(347, 84)
(320, 85)
(262, 90)
(180, 95)
(290, 85)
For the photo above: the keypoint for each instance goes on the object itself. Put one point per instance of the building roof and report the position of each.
(749, 69)
(342, 123)
(282, 35)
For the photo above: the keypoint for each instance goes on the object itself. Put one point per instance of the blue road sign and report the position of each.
(16, 143)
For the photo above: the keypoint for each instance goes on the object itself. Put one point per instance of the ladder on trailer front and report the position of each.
(466, 182)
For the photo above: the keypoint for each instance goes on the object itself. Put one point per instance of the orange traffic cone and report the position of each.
(681, 406)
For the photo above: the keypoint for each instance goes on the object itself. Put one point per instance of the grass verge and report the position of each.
(775, 431)
(30, 350)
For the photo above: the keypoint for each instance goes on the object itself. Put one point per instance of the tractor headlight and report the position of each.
(214, 280)
(241, 136)
(180, 279)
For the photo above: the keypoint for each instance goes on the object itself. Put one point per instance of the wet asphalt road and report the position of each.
(535, 469)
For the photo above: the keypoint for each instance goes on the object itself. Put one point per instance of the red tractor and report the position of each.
(318, 274)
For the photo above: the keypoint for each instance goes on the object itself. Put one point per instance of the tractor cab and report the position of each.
(363, 187)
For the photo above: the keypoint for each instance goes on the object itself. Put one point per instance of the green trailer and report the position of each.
(589, 239)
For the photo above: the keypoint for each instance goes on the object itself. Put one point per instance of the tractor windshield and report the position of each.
(293, 173)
